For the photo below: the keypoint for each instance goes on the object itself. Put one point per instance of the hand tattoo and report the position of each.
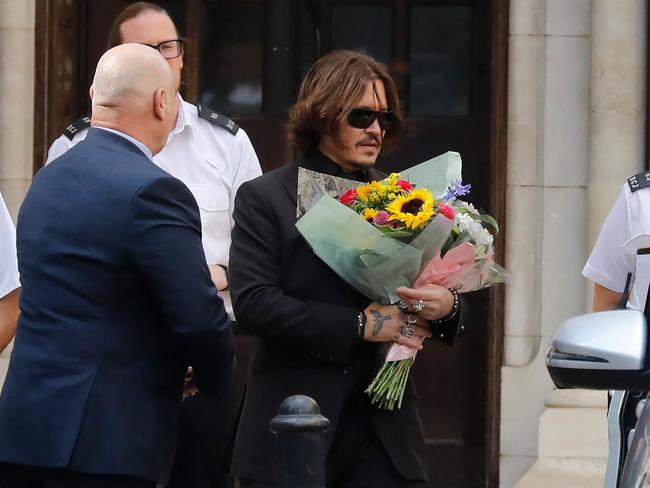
(379, 321)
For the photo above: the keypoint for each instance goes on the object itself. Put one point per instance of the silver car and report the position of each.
(609, 351)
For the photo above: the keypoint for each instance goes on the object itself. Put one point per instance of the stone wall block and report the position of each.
(573, 432)
(525, 85)
(564, 244)
(522, 250)
(566, 111)
(16, 113)
(527, 17)
(522, 405)
(17, 14)
(568, 17)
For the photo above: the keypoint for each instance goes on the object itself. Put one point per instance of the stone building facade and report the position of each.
(576, 130)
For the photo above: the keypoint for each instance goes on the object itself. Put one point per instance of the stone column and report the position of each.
(16, 107)
(548, 127)
(590, 125)
(618, 105)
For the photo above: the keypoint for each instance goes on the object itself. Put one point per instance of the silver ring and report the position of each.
(408, 330)
(418, 306)
(411, 319)
(403, 306)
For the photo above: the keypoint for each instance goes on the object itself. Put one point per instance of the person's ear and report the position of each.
(160, 104)
(91, 91)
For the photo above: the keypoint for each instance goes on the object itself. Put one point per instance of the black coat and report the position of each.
(305, 318)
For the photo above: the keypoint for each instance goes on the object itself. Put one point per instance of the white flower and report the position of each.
(463, 221)
(483, 237)
(473, 227)
(466, 205)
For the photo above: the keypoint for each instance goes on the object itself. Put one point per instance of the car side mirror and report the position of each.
(601, 351)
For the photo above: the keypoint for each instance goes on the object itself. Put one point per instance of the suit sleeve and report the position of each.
(322, 330)
(166, 248)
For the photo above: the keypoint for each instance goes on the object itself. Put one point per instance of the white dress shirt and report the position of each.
(625, 231)
(9, 278)
(211, 161)
(140, 145)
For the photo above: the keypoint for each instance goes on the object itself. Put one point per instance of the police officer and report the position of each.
(622, 248)
(9, 282)
(213, 157)
(206, 151)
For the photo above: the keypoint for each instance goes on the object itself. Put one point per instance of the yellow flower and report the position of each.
(362, 192)
(413, 209)
(369, 214)
(376, 186)
(392, 179)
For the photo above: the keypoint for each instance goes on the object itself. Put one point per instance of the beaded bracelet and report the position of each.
(453, 311)
(361, 324)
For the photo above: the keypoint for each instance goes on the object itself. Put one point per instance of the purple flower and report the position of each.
(455, 190)
(381, 218)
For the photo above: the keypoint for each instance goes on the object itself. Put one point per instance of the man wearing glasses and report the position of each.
(213, 157)
(205, 150)
(317, 336)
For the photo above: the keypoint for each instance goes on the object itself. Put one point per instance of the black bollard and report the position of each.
(299, 429)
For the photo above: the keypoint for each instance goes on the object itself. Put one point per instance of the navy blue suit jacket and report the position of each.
(116, 301)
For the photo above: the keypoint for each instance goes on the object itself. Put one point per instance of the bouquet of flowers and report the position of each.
(413, 230)
(395, 207)
(465, 263)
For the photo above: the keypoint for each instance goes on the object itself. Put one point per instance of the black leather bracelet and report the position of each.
(452, 313)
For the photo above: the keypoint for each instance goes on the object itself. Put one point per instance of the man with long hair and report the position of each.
(317, 336)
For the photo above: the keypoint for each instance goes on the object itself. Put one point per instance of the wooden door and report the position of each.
(246, 58)
(254, 55)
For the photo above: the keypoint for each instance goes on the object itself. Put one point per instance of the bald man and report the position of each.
(117, 298)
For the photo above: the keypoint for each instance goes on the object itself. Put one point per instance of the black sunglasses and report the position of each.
(362, 118)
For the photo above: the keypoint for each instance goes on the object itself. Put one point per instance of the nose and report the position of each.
(374, 127)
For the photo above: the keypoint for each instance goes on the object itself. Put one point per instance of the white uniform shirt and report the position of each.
(9, 279)
(211, 161)
(626, 230)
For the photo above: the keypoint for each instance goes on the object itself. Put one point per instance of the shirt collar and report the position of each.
(182, 120)
(147, 152)
(317, 161)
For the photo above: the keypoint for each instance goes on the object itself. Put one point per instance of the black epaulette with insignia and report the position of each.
(218, 119)
(76, 126)
(642, 180)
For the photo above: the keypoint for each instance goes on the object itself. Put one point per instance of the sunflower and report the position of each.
(369, 214)
(413, 209)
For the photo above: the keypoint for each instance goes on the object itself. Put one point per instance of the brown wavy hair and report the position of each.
(131, 12)
(331, 88)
